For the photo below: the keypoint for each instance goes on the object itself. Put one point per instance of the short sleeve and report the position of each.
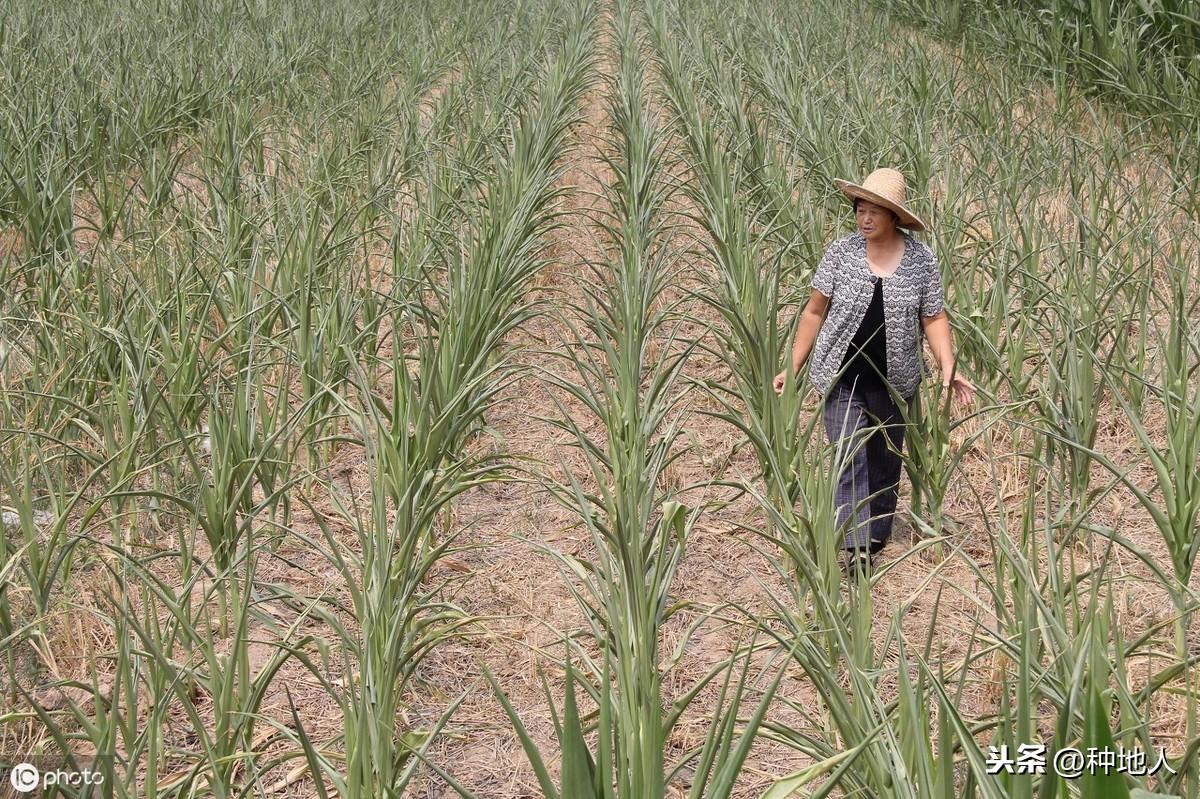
(823, 278)
(933, 299)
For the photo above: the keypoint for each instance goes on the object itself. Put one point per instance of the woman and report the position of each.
(875, 285)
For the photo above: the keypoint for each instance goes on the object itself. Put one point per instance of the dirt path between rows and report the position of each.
(517, 591)
(513, 588)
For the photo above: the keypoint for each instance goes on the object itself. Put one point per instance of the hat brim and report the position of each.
(907, 218)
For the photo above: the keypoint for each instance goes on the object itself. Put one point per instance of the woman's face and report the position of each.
(875, 222)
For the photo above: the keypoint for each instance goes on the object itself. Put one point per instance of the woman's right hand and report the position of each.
(780, 379)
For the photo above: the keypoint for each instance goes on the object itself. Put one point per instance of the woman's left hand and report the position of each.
(964, 389)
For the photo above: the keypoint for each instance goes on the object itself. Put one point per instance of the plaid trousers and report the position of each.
(869, 485)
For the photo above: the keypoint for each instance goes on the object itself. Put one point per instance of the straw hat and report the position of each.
(884, 187)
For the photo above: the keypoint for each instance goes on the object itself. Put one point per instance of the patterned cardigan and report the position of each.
(913, 290)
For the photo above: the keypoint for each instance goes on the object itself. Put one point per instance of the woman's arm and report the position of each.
(937, 332)
(807, 328)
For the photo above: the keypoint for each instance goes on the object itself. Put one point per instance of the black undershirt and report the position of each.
(869, 345)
